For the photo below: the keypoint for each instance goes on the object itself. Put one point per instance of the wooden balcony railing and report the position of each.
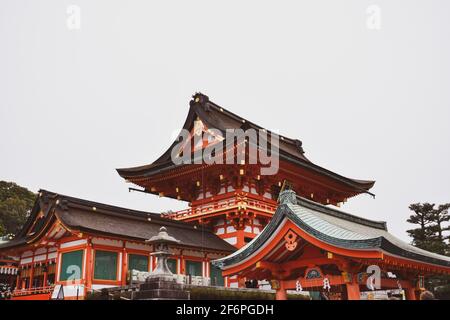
(32, 291)
(222, 205)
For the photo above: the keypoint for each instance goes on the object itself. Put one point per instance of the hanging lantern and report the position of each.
(298, 286)
(326, 284)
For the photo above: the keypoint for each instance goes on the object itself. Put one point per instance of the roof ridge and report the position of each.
(204, 99)
(340, 214)
(75, 199)
(124, 211)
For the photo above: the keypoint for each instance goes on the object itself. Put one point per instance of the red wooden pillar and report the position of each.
(45, 276)
(89, 271)
(240, 242)
(182, 264)
(205, 261)
(410, 293)
(280, 293)
(30, 285)
(353, 291)
(124, 266)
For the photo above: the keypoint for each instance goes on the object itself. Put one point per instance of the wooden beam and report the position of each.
(335, 280)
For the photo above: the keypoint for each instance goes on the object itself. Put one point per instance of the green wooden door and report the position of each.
(193, 268)
(216, 276)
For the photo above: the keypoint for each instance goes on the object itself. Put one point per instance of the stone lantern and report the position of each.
(161, 283)
(161, 244)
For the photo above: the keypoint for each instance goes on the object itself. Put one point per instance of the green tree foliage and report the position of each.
(431, 235)
(15, 205)
(440, 219)
(423, 217)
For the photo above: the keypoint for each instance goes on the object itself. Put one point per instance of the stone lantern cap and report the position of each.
(162, 237)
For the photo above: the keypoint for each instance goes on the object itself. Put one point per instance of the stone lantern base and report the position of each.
(162, 287)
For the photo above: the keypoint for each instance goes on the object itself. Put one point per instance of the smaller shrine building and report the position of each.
(84, 246)
(312, 247)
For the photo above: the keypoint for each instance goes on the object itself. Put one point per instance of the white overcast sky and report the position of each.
(368, 104)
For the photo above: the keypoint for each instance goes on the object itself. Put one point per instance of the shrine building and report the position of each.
(312, 247)
(84, 246)
(239, 225)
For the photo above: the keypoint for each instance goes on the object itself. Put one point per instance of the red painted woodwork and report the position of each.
(280, 237)
(42, 296)
(280, 293)
(411, 293)
(41, 293)
(353, 292)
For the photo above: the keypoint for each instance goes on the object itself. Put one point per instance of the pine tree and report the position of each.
(430, 236)
(423, 216)
(440, 218)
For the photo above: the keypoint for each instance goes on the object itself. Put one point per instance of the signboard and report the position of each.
(58, 293)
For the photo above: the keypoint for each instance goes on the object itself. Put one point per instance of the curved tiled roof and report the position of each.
(103, 219)
(316, 222)
(217, 117)
(336, 228)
